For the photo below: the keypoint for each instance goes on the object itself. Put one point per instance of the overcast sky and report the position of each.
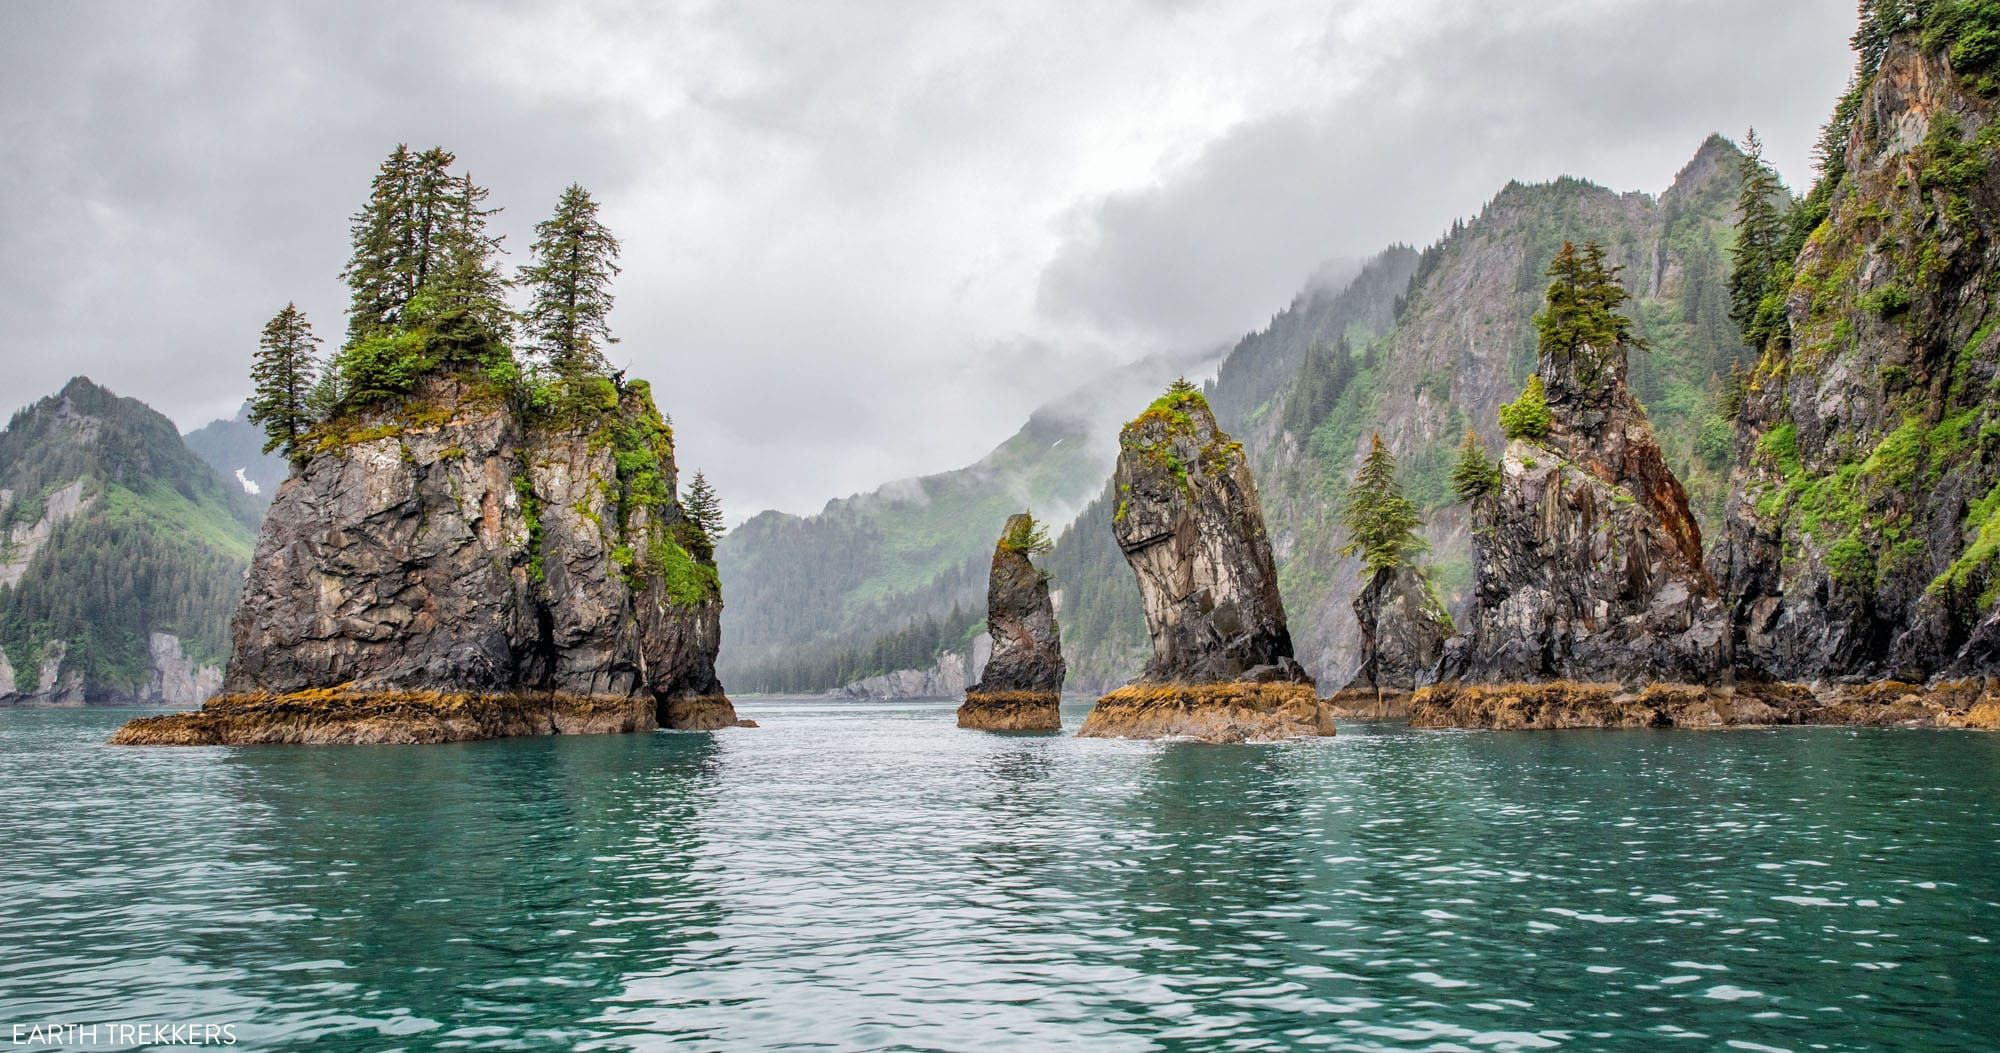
(862, 240)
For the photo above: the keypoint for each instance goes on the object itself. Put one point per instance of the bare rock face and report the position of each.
(1190, 525)
(1021, 688)
(1404, 628)
(450, 549)
(1589, 562)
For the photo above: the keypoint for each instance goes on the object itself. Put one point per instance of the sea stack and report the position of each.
(453, 566)
(1190, 525)
(1589, 563)
(1404, 629)
(1021, 688)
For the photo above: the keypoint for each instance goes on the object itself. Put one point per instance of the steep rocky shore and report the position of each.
(1861, 539)
(453, 567)
(1021, 687)
(1189, 523)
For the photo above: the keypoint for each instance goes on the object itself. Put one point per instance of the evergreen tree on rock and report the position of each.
(1381, 523)
(703, 508)
(285, 374)
(1760, 237)
(574, 258)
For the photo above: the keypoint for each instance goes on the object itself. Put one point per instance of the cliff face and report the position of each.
(450, 545)
(1404, 629)
(1189, 524)
(1589, 561)
(1862, 538)
(121, 554)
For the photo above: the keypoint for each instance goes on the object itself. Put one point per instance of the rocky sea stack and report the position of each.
(1021, 688)
(453, 566)
(1190, 525)
(1588, 560)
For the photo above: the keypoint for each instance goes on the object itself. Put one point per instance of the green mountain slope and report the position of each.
(235, 447)
(121, 555)
(887, 579)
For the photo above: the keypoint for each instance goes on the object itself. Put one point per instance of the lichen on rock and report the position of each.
(1021, 687)
(1191, 528)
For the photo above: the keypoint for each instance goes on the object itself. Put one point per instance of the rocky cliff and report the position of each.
(1589, 561)
(121, 554)
(1404, 627)
(1862, 539)
(1190, 526)
(456, 555)
(1021, 686)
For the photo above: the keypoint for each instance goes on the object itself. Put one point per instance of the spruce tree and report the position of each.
(284, 372)
(1760, 236)
(422, 234)
(1380, 521)
(703, 508)
(466, 292)
(1582, 327)
(573, 260)
(1475, 475)
(375, 272)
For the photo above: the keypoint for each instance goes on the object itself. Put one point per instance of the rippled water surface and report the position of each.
(870, 877)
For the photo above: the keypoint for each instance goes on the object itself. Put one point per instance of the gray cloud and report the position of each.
(1620, 93)
(862, 239)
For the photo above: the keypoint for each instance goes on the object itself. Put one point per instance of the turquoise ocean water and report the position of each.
(869, 877)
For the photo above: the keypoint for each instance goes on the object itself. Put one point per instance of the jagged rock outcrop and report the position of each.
(1861, 542)
(1189, 523)
(1404, 628)
(1021, 687)
(1589, 563)
(457, 554)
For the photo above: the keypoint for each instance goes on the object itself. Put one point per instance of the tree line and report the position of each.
(427, 296)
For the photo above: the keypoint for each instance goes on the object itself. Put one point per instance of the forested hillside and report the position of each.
(121, 555)
(1864, 539)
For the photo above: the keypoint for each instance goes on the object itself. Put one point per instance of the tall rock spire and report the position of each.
(1189, 523)
(1021, 688)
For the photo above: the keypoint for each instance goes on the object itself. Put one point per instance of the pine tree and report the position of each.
(574, 258)
(283, 372)
(421, 253)
(1527, 417)
(466, 294)
(1380, 521)
(381, 239)
(1475, 475)
(703, 508)
(1581, 327)
(1760, 236)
